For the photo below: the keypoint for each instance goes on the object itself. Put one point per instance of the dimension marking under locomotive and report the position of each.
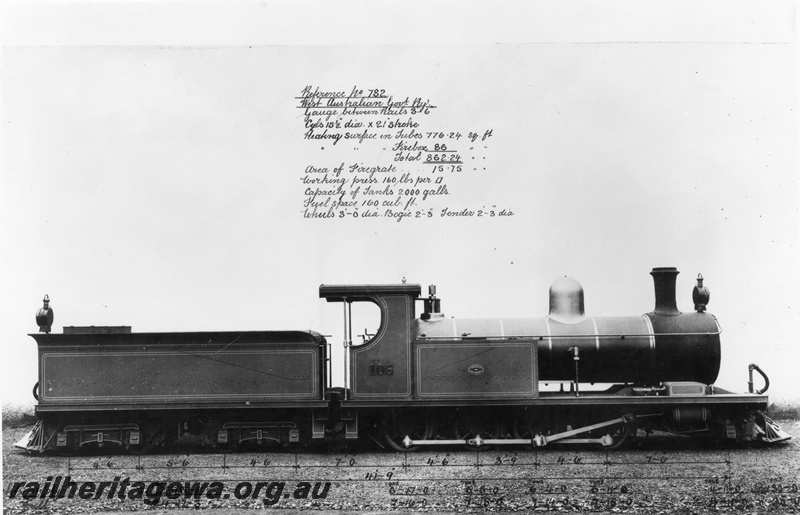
(416, 382)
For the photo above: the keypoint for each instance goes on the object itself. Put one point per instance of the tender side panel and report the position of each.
(476, 370)
(111, 372)
(267, 374)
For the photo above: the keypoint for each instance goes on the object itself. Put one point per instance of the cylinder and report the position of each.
(689, 416)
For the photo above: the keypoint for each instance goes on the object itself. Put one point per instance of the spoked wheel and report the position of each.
(467, 426)
(139, 449)
(398, 426)
(67, 451)
(623, 434)
(521, 429)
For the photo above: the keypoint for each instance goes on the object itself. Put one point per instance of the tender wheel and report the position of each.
(399, 425)
(158, 441)
(468, 426)
(67, 451)
(136, 450)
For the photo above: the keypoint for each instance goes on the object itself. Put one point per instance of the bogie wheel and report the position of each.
(467, 426)
(398, 426)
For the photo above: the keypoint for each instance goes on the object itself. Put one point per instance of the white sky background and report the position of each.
(152, 155)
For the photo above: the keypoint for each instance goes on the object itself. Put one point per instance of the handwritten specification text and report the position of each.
(411, 169)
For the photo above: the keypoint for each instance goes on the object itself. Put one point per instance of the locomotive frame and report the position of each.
(416, 382)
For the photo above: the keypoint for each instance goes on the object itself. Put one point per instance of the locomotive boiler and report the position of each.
(418, 381)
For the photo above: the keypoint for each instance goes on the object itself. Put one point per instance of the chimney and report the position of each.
(664, 282)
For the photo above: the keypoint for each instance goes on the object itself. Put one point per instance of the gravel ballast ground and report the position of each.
(664, 475)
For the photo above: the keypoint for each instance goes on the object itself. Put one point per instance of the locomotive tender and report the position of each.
(421, 381)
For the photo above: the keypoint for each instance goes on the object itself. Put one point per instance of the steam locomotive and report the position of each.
(427, 381)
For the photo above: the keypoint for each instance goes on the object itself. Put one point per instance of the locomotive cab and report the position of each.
(381, 368)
